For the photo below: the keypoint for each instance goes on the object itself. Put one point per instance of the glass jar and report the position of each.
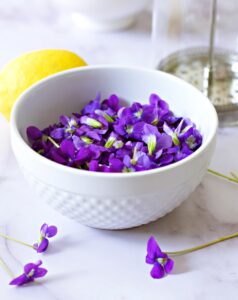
(182, 39)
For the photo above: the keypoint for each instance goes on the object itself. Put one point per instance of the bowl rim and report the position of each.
(50, 163)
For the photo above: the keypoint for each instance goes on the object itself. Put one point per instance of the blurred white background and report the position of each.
(30, 25)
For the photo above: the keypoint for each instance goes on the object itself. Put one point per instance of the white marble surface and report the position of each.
(90, 264)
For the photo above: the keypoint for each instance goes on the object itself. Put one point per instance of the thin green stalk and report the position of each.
(223, 176)
(5, 267)
(234, 175)
(15, 240)
(224, 238)
(53, 142)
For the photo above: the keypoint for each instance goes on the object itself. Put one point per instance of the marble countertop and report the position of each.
(90, 264)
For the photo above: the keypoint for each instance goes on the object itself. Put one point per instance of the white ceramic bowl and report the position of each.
(102, 200)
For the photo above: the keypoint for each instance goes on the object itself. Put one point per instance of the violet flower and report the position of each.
(45, 233)
(103, 137)
(33, 133)
(92, 105)
(70, 125)
(150, 136)
(162, 264)
(111, 103)
(31, 272)
(155, 141)
(191, 137)
(139, 161)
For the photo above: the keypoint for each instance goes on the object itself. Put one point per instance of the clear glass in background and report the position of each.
(181, 37)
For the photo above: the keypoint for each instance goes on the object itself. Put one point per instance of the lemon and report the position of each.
(25, 70)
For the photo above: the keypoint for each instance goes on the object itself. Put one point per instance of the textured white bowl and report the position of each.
(102, 200)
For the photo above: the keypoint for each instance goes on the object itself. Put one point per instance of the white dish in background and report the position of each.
(102, 200)
(102, 15)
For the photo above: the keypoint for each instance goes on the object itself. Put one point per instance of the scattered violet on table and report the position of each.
(162, 264)
(108, 137)
(45, 233)
(31, 272)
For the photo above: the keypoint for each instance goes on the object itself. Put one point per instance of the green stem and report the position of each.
(53, 142)
(224, 238)
(222, 175)
(15, 240)
(234, 175)
(5, 267)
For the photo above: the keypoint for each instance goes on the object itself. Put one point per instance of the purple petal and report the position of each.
(164, 141)
(179, 156)
(167, 129)
(40, 272)
(186, 150)
(122, 152)
(67, 147)
(93, 135)
(144, 161)
(168, 267)
(138, 130)
(170, 119)
(116, 165)
(173, 150)
(51, 231)
(43, 229)
(20, 280)
(42, 247)
(150, 136)
(64, 120)
(136, 106)
(191, 137)
(157, 101)
(153, 251)
(166, 159)
(150, 129)
(179, 127)
(154, 99)
(112, 102)
(96, 151)
(29, 267)
(38, 263)
(78, 143)
(158, 153)
(83, 155)
(57, 133)
(105, 169)
(83, 129)
(33, 133)
(127, 161)
(149, 114)
(119, 127)
(157, 271)
(93, 165)
(92, 105)
(55, 156)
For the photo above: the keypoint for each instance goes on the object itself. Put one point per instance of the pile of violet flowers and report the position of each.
(108, 137)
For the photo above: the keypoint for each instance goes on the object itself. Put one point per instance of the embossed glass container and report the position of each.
(181, 43)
